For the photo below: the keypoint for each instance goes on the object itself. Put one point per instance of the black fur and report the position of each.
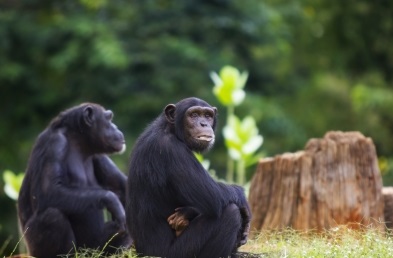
(69, 180)
(164, 175)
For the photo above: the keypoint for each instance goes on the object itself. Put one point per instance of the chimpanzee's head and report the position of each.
(93, 126)
(194, 122)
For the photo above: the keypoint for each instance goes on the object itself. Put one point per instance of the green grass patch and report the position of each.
(88, 253)
(336, 242)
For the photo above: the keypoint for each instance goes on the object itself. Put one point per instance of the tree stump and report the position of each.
(334, 181)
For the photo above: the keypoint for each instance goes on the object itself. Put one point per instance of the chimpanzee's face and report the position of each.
(104, 134)
(198, 128)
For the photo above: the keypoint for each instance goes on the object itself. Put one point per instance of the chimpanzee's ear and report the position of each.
(215, 110)
(170, 113)
(88, 115)
(215, 118)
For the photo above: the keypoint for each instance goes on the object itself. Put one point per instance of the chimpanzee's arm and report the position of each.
(237, 196)
(75, 199)
(195, 188)
(109, 176)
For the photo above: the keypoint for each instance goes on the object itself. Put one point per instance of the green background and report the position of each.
(314, 66)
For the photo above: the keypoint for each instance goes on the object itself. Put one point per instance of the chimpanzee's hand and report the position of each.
(178, 222)
(120, 219)
(180, 219)
(114, 206)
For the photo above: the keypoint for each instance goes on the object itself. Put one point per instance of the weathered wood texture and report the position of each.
(387, 193)
(334, 181)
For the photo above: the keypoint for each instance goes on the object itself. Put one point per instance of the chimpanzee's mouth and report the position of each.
(122, 148)
(207, 138)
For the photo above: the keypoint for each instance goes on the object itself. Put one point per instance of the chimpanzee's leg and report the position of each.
(113, 239)
(224, 238)
(49, 234)
(91, 231)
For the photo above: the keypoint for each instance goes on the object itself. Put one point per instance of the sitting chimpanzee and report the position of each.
(69, 181)
(173, 207)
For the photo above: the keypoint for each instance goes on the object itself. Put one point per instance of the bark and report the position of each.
(334, 181)
(387, 193)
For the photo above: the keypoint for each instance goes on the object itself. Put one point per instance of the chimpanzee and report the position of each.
(69, 181)
(174, 208)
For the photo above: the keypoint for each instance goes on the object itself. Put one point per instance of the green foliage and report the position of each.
(241, 137)
(386, 168)
(228, 86)
(314, 66)
(13, 183)
(371, 98)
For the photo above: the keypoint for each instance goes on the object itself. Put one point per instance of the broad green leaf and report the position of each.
(241, 137)
(229, 75)
(238, 97)
(234, 153)
(13, 184)
(216, 80)
(251, 160)
(252, 145)
(228, 85)
(248, 124)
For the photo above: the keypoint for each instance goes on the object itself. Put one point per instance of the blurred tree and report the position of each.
(132, 57)
(353, 36)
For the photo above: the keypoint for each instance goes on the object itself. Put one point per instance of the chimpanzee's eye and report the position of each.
(208, 116)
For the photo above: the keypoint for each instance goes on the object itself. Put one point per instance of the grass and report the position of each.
(337, 242)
